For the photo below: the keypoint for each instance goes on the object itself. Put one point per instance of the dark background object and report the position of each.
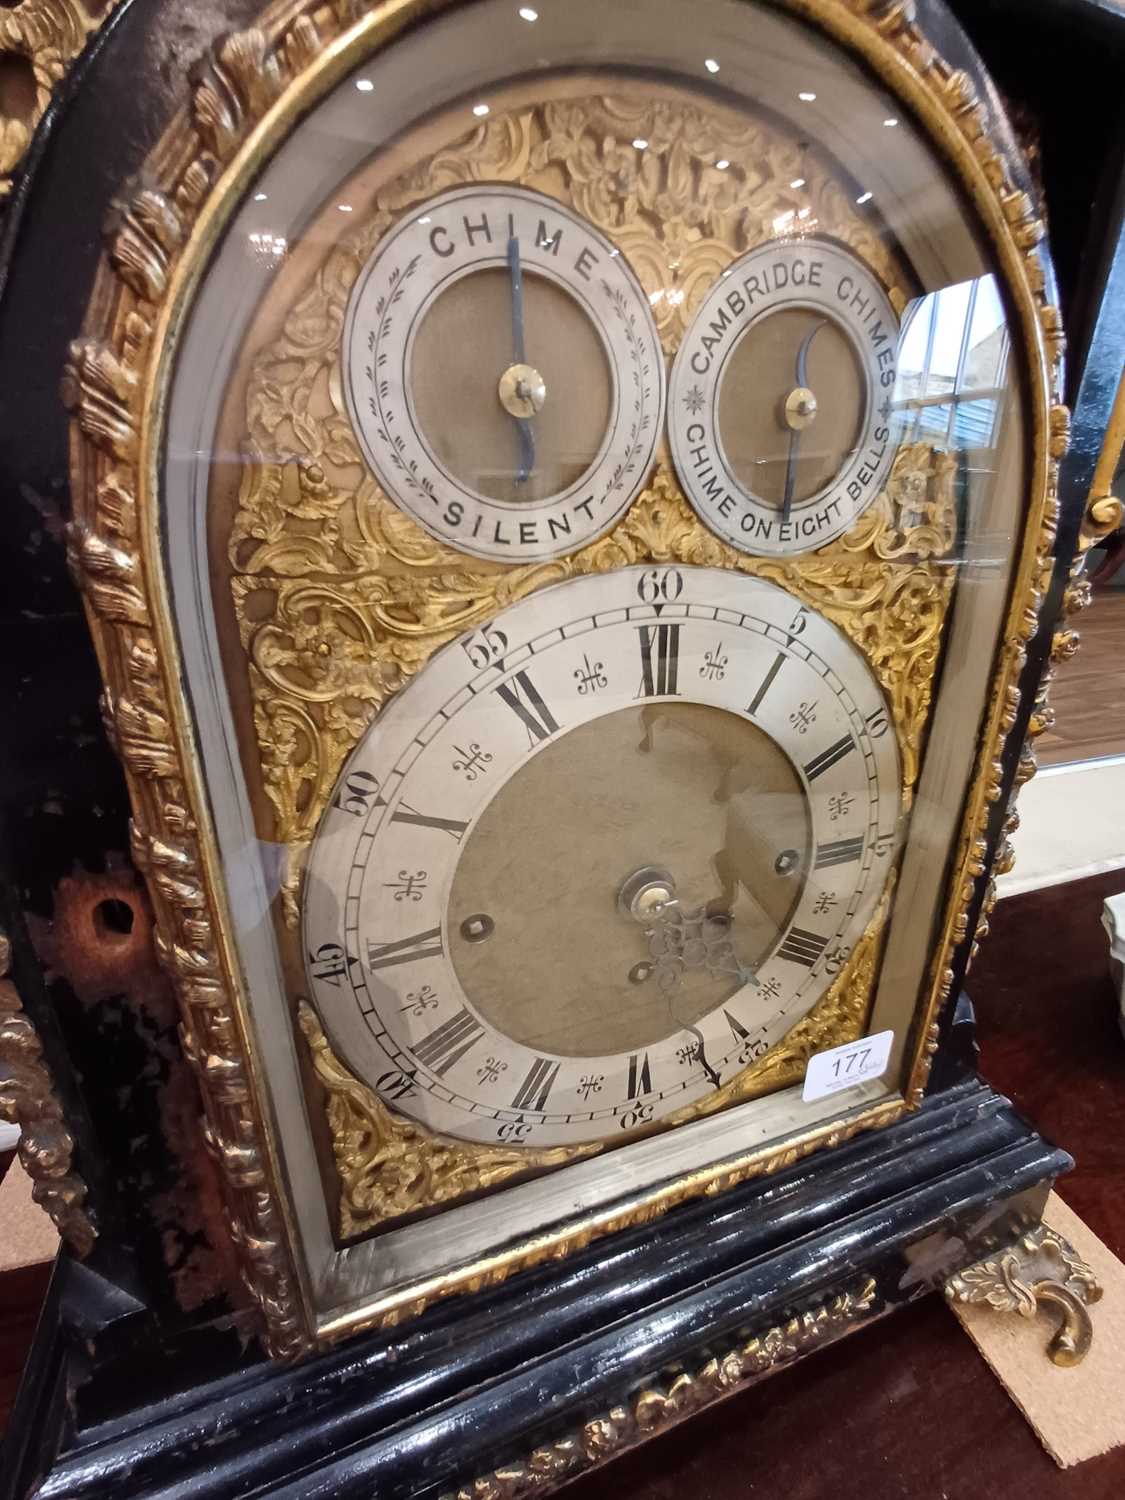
(1058, 65)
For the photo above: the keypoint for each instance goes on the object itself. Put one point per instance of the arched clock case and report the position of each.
(565, 506)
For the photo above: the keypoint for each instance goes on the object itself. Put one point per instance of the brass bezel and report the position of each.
(258, 83)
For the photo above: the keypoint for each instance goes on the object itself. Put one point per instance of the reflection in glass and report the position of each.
(952, 366)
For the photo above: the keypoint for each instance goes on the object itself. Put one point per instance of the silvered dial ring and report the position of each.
(691, 740)
(503, 373)
(780, 412)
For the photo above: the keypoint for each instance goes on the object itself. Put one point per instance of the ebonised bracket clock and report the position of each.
(562, 500)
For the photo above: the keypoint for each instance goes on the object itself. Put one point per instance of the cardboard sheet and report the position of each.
(27, 1235)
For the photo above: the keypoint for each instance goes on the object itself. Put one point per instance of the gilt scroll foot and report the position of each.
(1041, 1270)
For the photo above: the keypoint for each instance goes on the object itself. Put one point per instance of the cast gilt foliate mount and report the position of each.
(676, 1396)
(341, 597)
(1041, 1269)
(112, 372)
(1041, 1272)
(28, 1099)
(44, 37)
(389, 1166)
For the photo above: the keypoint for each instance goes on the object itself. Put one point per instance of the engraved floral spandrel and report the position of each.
(388, 1165)
(341, 598)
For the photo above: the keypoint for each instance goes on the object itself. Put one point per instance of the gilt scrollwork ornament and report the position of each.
(341, 597)
(671, 1398)
(358, 1117)
(41, 38)
(28, 1099)
(100, 385)
(1042, 1272)
(325, 656)
(389, 1166)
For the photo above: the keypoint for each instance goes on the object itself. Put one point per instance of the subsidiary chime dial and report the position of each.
(601, 854)
(503, 373)
(779, 407)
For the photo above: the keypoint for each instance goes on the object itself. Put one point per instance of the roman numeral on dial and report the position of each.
(404, 814)
(801, 947)
(828, 758)
(537, 1085)
(522, 697)
(452, 1039)
(640, 1076)
(660, 659)
(405, 950)
(841, 852)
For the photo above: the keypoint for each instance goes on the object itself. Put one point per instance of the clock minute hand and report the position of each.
(800, 408)
(713, 1074)
(519, 357)
(803, 354)
(515, 272)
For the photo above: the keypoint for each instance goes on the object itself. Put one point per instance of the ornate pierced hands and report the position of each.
(679, 940)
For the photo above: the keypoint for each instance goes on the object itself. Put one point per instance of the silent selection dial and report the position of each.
(503, 373)
(780, 410)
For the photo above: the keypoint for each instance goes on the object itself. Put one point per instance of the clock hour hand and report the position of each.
(790, 472)
(519, 364)
(798, 411)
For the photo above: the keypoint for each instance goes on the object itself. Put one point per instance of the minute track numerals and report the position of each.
(438, 418)
(383, 948)
(779, 402)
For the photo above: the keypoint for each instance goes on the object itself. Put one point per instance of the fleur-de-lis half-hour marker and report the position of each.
(473, 761)
(408, 887)
(714, 664)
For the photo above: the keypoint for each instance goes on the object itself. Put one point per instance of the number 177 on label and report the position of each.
(843, 1067)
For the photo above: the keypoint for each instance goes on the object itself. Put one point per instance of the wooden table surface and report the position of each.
(905, 1409)
(1088, 693)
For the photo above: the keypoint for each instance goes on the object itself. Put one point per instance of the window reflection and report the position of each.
(952, 366)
